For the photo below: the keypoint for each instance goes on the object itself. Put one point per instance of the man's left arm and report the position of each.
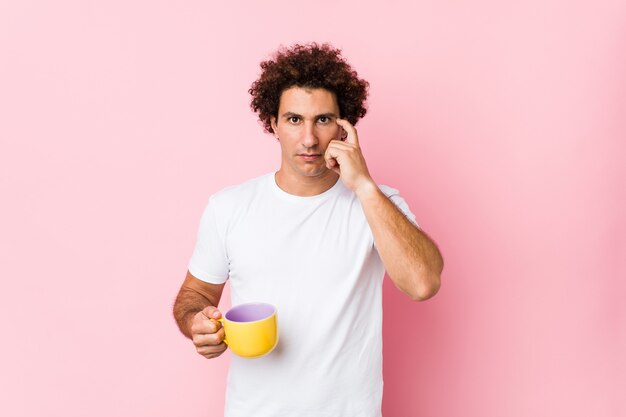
(410, 257)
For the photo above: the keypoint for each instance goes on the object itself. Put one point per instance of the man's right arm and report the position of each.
(195, 312)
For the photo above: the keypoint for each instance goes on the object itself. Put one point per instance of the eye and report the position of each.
(324, 119)
(294, 119)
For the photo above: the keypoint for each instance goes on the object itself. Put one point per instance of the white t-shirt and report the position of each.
(313, 258)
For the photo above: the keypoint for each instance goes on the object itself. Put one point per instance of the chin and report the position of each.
(314, 173)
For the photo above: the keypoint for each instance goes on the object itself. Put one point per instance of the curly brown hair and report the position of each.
(308, 66)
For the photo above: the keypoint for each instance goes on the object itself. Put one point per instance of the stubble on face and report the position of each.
(305, 126)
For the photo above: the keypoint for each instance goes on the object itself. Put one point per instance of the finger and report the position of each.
(211, 312)
(202, 325)
(331, 156)
(333, 165)
(337, 144)
(213, 356)
(212, 350)
(336, 149)
(352, 136)
(212, 339)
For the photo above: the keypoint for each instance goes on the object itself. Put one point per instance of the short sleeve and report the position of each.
(209, 261)
(395, 198)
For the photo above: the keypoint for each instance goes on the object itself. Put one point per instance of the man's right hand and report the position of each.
(207, 333)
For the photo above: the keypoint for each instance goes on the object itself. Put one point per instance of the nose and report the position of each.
(309, 138)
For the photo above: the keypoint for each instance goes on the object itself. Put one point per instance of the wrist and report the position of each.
(188, 321)
(366, 189)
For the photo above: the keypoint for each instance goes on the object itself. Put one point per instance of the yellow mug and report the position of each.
(251, 329)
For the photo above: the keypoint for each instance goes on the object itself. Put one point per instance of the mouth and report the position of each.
(310, 156)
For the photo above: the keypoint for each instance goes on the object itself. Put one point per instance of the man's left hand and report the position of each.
(346, 159)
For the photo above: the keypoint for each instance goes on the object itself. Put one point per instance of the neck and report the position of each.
(306, 186)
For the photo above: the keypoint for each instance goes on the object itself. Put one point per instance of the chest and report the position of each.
(297, 245)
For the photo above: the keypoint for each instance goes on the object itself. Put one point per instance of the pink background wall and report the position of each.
(502, 123)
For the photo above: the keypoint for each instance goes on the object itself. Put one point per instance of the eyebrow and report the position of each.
(289, 114)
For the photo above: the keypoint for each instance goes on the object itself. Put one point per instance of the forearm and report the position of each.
(194, 296)
(411, 258)
(188, 303)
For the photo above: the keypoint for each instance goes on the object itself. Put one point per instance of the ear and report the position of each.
(343, 134)
(274, 126)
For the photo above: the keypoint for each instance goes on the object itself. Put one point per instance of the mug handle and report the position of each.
(221, 320)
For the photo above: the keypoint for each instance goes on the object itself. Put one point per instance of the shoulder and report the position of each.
(237, 195)
(388, 191)
(395, 197)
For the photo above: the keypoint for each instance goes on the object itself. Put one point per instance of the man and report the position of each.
(314, 239)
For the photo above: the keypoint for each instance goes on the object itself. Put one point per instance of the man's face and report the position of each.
(305, 126)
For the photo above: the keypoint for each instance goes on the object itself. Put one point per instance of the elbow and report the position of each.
(427, 281)
(426, 287)
(422, 282)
